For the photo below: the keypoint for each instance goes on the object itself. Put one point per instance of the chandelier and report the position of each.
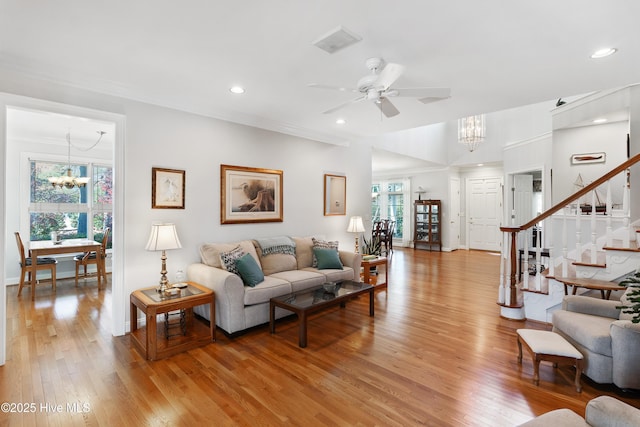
(69, 181)
(471, 131)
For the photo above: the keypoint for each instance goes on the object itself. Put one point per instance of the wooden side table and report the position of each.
(153, 341)
(366, 266)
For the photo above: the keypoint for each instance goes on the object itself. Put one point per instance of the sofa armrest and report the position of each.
(625, 347)
(593, 306)
(353, 260)
(606, 411)
(229, 294)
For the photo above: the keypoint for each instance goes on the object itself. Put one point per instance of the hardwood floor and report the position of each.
(437, 353)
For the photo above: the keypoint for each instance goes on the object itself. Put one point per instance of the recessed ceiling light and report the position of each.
(480, 164)
(341, 121)
(598, 121)
(602, 53)
(236, 89)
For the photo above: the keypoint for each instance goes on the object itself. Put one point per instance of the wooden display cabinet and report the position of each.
(427, 224)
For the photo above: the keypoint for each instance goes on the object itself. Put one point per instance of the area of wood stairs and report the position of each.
(613, 262)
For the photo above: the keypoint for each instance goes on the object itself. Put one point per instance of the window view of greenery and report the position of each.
(389, 204)
(67, 210)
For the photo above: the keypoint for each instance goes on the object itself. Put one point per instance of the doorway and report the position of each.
(13, 192)
(525, 199)
(484, 201)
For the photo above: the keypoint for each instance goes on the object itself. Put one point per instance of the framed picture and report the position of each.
(167, 188)
(250, 195)
(335, 194)
(579, 159)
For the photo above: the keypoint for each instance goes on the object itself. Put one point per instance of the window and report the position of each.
(75, 213)
(388, 202)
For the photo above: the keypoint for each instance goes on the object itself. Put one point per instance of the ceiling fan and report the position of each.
(376, 87)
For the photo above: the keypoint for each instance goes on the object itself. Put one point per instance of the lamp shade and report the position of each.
(163, 237)
(355, 225)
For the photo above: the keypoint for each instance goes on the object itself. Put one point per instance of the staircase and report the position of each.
(593, 242)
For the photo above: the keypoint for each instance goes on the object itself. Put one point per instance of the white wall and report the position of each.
(162, 137)
(610, 138)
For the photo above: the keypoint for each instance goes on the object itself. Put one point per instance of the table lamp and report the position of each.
(162, 238)
(356, 226)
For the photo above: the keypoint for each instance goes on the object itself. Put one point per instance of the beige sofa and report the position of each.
(603, 411)
(239, 306)
(608, 340)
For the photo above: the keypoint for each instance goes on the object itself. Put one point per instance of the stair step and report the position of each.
(588, 264)
(544, 285)
(616, 245)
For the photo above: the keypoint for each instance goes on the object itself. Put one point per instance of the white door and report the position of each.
(454, 214)
(485, 213)
(522, 199)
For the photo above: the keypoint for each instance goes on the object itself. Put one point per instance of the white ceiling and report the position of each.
(493, 54)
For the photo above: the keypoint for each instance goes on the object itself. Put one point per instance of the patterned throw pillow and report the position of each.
(229, 259)
(322, 244)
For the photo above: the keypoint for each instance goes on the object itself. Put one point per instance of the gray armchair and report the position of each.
(608, 340)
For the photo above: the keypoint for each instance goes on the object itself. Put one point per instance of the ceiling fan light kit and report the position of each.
(376, 87)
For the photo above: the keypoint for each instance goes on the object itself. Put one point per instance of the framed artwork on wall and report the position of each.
(167, 188)
(250, 195)
(335, 194)
(579, 159)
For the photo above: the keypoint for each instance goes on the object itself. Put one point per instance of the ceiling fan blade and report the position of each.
(424, 94)
(387, 108)
(353, 101)
(338, 88)
(388, 75)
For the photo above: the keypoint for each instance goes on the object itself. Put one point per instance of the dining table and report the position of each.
(68, 246)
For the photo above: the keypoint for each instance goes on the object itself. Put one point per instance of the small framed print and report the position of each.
(579, 159)
(167, 188)
(335, 195)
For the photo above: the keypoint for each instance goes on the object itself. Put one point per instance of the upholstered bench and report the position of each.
(549, 346)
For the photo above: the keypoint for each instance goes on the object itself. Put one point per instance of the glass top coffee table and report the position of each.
(314, 300)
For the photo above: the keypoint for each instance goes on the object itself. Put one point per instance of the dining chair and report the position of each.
(383, 230)
(41, 264)
(94, 258)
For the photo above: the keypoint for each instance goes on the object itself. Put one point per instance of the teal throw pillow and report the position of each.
(249, 270)
(327, 258)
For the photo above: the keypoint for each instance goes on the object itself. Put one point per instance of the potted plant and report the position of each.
(371, 247)
(632, 298)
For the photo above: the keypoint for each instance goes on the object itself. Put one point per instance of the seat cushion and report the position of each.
(80, 257)
(589, 331)
(334, 275)
(42, 261)
(270, 287)
(301, 279)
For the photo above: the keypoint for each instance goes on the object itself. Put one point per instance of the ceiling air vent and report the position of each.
(337, 39)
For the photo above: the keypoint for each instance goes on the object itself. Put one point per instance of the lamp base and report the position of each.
(164, 282)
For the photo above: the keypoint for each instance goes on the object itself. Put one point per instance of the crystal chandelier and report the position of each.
(471, 131)
(69, 181)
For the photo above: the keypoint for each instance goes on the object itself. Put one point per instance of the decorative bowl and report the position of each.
(330, 287)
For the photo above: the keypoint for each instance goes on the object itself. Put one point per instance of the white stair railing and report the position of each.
(508, 288)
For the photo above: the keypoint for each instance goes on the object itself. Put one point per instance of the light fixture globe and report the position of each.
(69, 181)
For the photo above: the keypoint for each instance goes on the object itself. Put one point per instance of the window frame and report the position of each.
(383, 204)
(90, 207)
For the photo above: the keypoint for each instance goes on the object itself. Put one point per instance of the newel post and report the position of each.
(511, 299)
